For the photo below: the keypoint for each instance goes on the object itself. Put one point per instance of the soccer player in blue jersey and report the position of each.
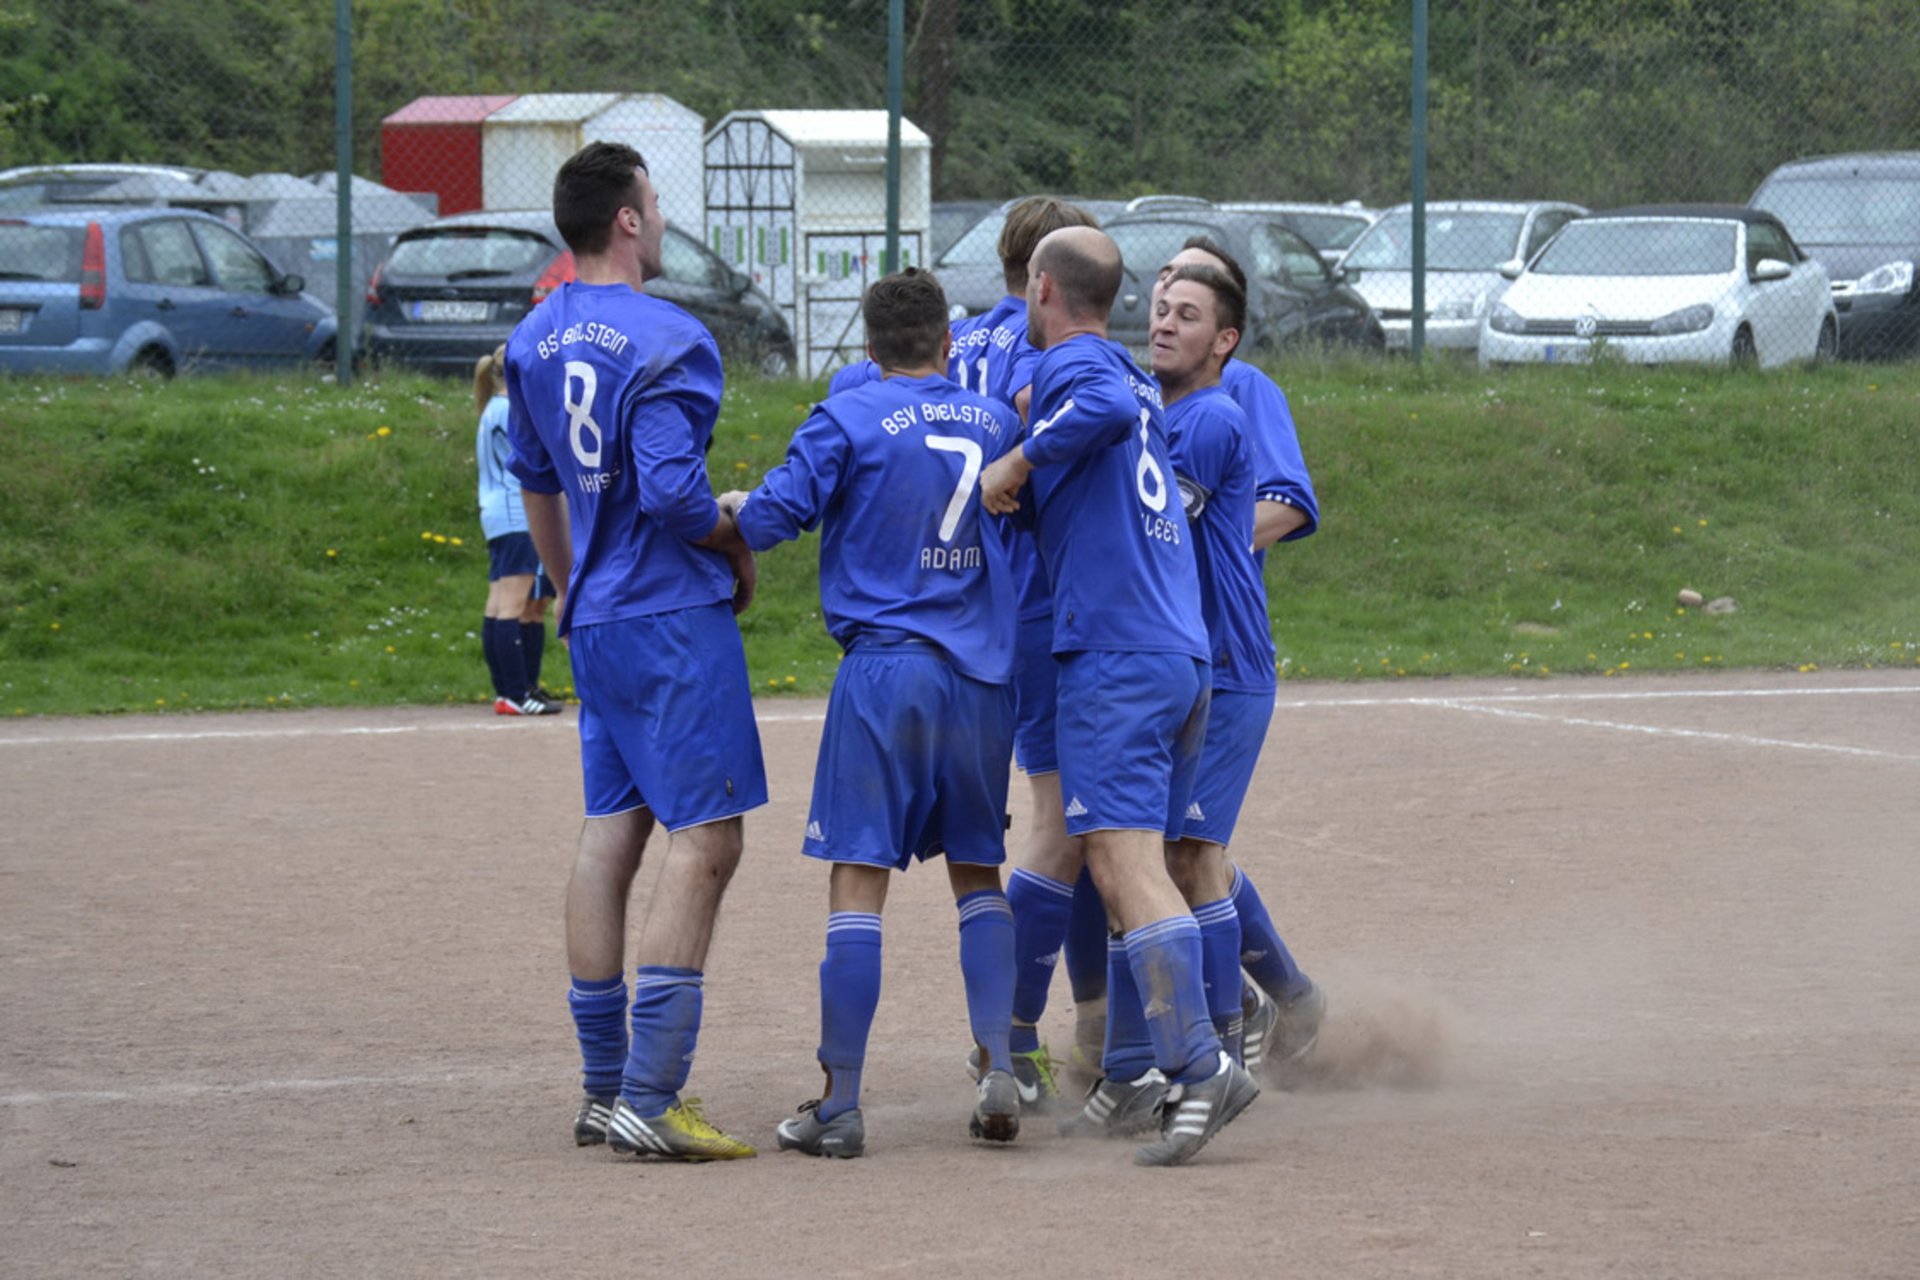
(1133, 685)
(613, 398)
(916, 588)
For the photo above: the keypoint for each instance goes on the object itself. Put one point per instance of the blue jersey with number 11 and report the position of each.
(1107, 511)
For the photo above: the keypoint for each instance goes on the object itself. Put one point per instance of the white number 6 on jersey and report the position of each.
(1157, 499)
(969, 472)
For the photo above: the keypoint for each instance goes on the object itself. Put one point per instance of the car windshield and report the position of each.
(1639, 247)
(1845, 210)
(470, 253)
(980, 246)
(1146, 247)
(1327, 230)
(50, 254)
(1456, 241)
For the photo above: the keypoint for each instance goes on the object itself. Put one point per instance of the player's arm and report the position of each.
(540, 494)
(1284, 504)
(794, 495)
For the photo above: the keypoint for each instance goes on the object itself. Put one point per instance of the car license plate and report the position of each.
(451, 312)
(12, 320)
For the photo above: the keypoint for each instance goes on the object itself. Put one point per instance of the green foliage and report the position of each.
(252, 541)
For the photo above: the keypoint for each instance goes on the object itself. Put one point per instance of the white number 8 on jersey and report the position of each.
(580, 414)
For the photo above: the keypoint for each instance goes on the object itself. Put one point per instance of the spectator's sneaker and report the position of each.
(681, 1132)
(1034, 1073)
(843, 1137)
(590, 1123)
(541, 692)
(996, 1109)
(1193, 1113)
(1118, 1108)
(1279, 1035)
(531, 705)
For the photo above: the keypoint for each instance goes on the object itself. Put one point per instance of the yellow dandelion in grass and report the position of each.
(370, 435)
(332, 554)
(456, 542)
(1593, 657)
(389, 648)
(426, 535)
(159, 702)
(1546, 670)
(384, 432)
(1609, 673)
(1625, 665)
(790, 680)
(773, 684)
(53, 626)
(1681, 612)
(440, 538)
(1676, 528)
(353, 684)
(739, 466)
(1681, 656)
(753, 437)
(1702, 522)
(1646, 635)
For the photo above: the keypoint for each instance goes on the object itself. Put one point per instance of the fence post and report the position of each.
(343, 193)
(896, 76)
(1417, 344)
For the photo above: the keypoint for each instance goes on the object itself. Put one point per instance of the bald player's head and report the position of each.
(1084, 265)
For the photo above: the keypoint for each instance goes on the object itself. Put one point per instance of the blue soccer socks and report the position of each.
(849, 993)
(1261, 950)
(1220, 968)
(533, 647)
(600, 1020)
(666, 1026)
(987, 944)
(1165, 958)
(1129, 1048)
(500, 640)
(1087, 942)
(1040, 911)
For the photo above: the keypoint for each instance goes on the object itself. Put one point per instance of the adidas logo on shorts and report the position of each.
(1075, 809)
(814, 832)
(1193, 812)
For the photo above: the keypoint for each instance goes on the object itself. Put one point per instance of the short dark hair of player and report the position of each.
(1027, 224)
(906, 317)
(1087, 283)
(1207, 244)
(591, 188)
(1229, 299)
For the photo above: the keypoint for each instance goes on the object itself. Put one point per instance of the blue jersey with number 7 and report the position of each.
(1107, 511)
(890, 473)
(612, 397)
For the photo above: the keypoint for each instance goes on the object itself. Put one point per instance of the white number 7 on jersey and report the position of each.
(969, 472)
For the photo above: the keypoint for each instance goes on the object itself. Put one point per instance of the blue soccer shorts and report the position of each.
(913, 762)
(666, 718)
(1236, 728)
(512, 554)
(1036, 692)
(1131, 729)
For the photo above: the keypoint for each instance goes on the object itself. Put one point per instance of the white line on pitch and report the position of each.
(186, 1092)
(815, 717)
(1743, 739)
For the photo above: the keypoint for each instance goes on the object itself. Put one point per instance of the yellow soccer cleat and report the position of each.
(681, 1132)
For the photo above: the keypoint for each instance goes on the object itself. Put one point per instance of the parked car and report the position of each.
(1467, 241)
(952, 219)
(1292, 295)
(970, 272)
(36, 185)
(1329, 228)
(1658, 283)
(149, 290)
(453, 289)
(1859, 217)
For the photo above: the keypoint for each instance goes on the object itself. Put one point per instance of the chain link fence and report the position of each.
(1283, 129)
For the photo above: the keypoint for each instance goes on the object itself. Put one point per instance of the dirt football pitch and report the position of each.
(1625, 981)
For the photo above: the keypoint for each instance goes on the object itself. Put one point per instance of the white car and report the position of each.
(1468, 242)
(1714, 284)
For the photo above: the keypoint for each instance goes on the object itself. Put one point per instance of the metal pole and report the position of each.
(1418, 343)
(343, 194)
(896, 78)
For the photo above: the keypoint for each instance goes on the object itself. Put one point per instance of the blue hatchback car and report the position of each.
(148, 290)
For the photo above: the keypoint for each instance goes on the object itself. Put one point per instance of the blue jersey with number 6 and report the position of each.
(1107, 511)
(612, 400)
(890, 472)
(1213, 459)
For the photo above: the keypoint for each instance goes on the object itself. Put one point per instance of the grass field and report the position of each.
(278, 541)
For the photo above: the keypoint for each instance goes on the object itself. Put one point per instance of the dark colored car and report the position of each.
(452, 290)
(970, 271)
(1293, 298)
(1859, 217)
(149, 290)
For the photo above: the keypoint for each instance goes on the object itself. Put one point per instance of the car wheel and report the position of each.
(152, 362)
(1826, 348)
(1744, 354)
(774, 363)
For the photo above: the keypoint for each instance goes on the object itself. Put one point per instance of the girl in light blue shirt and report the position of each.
(514, 631)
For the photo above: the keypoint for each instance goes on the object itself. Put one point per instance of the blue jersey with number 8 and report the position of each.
(1107, 511)
(612, 400)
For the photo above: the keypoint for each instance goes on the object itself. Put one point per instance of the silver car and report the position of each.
(1468, 241)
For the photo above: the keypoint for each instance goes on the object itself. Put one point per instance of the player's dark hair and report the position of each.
(906, 316)
(1027, 224)
(591, 188)
(1085, 269)
(1207, 244)
(1229, 299)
